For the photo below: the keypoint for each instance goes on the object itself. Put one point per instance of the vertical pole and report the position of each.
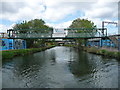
(103, 28)
(118, 45)
(51, 31)
(2, 35)
(102, 33)
(8, 33)
(98, 43)
(106, 32)
(101, 42)
(12, 33)
(86, 41)
(106, 38)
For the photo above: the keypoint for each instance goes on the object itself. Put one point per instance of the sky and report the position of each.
(58, 13)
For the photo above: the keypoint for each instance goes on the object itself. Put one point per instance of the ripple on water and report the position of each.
(61, 67)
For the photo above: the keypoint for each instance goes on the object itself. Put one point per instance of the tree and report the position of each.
(83, 24)
(37, 25)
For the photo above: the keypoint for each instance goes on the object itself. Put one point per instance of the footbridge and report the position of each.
(66, 33)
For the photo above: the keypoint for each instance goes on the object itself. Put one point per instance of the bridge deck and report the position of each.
(53, 34)
(57, 37)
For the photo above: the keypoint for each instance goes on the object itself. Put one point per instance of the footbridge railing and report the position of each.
(49, 33)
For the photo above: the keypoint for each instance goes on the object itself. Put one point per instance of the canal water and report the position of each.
(60, 67)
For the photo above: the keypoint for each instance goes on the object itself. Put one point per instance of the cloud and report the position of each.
(103, 10)
(60, 25)
(11, 7)
(4, 28)
(57, 10)
(58, 13)
(15, 11)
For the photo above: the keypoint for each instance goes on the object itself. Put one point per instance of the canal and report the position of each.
(60, 67)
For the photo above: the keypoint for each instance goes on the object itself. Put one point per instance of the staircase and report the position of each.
(114, 40)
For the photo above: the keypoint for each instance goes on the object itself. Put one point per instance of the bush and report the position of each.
(116, 54)
(102, 51)
(110, 54)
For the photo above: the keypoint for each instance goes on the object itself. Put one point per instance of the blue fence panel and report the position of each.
(24, 44)
(0, 44)
(93, 43)
(119, 44)
(19, 44)
(10, 44)
(107, 43)
(5, 44)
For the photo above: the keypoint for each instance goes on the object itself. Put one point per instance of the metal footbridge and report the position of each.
(67, 33)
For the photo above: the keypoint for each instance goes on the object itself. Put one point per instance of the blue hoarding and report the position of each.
(7, 44)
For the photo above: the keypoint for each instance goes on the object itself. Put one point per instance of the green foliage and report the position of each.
(118, 55)
(69, 45)
(7, 54)
(91, 50)
(103, 52)
(85, 26)
(82, 23)
(36, 25)
(21, 52)
(32, 24)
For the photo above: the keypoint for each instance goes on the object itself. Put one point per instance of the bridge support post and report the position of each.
(85, 42)
(101, 42)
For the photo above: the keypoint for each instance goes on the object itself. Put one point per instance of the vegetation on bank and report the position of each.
(103, 52)
(21, 52)
(69, 45)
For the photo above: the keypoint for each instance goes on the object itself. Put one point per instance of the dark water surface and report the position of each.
(60, 67)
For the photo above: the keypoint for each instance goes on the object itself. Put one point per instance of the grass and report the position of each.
(69, 45)
(103, 52)
(21, 52)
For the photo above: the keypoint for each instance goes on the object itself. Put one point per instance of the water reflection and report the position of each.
(60, 67)
(80, 66)
(95, 70)
(53, 57)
